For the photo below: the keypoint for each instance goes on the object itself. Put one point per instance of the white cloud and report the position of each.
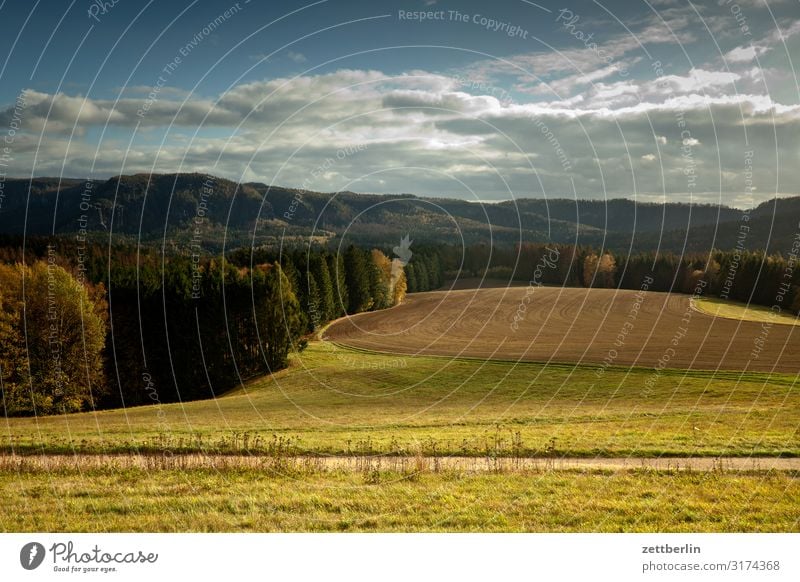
(788, 30)
(742, 54)
(296, 57)
(699, 80)
(759, 48)
(416, 126)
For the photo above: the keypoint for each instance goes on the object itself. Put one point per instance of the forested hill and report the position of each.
(213, 211)
(772, 225)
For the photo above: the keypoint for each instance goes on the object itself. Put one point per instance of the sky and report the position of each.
(654, 100)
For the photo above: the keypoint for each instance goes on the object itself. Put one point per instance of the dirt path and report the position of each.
(48, 463)
(592, 326)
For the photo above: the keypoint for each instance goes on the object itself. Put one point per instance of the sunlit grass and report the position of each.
(734, 310)
(335, 400)
(249, 500)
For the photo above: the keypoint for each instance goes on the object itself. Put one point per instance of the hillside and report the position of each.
(184, 208)
(773, 224)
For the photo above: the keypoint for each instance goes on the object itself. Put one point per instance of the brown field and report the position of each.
(567, 325)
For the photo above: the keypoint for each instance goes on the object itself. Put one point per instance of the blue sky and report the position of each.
(658, 100)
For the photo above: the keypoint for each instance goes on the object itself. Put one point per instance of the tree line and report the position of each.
(127, 326)
(84, 326)
(770, 280)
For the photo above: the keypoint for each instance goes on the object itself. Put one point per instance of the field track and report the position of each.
(51, 463)
(567, 325)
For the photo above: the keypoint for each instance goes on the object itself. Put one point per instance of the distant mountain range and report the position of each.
(182, 209)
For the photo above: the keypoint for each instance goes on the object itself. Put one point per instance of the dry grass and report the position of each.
(408, 465)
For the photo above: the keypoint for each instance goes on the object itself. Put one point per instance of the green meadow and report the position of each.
(175, 500)
(340, 401)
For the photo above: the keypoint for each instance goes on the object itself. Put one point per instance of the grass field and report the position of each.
(742, 311)
(256, 451)
(336, 400)
(252, 500)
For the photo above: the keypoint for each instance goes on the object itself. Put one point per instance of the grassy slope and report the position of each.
(735, 310)
(337, 400)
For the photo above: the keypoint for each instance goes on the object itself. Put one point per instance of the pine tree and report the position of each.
(380, 280)
(435, 269)
(341, 299)
(327, 306)
(358, 280)
(411, 278)
(421, 271)
(313, 303)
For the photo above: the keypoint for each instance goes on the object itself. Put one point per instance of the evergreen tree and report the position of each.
(436, 276)
(380, 280)
(421, 271)
(327, 306)
(313, 303)
(357, 273)
(341, 299)
(411, 278)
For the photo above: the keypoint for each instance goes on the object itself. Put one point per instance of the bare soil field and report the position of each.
(576, 326)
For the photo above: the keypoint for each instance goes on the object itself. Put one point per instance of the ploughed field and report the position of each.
(568, 325)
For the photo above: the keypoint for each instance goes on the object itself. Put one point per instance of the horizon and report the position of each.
(659, 101)
(551, 198)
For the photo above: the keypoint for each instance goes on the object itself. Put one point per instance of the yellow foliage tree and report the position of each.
(52, 333)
